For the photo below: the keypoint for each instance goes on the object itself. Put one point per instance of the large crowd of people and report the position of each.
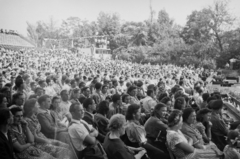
(59, 104)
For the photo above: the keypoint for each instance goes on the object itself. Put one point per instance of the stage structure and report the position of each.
(94, 46)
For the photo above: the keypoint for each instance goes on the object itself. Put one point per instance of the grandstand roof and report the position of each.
(13, 40)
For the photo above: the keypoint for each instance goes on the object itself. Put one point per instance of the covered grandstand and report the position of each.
(14, 41)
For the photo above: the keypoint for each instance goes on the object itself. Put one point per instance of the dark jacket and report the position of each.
(6, 147)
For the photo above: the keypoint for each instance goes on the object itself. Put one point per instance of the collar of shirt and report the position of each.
(90, 114)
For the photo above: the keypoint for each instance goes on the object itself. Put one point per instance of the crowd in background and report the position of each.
(60, 104)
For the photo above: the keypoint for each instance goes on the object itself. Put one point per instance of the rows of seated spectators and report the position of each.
(59, 115)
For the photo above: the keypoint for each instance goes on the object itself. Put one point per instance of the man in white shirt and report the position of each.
(80, 132)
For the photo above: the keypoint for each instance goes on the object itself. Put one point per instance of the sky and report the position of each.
(14, 14)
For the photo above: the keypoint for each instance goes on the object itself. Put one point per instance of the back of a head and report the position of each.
(216, 104)
(28, 105)
(14, 110)
(4, 116)
(205, 96)
(179, 103)
(103, 107)
(87, 102)
(73, 107)
(98, 85)
(115, 98)
(116, 122)
(186, 113)
(131, 110)
(232, 137)
(149, 92)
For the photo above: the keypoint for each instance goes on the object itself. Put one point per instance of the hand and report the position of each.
(209, 124)
(24, 123)
(139, 149)
(190, 141)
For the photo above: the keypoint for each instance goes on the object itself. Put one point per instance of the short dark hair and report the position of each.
(205, 96)
(103, 107)
(4, 116)
(131, 110)
(73, 107)
(115, 98)
(179, 103)
(43, 98)
(84, 89)
(16, 96)
(98, 85)
(14, 110)
(87, 102)
(165, 100)
(1, 97)
(202, 112)
(131, 88)
(186, 113)
(158, 107)
(149, 92)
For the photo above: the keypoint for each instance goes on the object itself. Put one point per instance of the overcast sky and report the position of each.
(15, 13)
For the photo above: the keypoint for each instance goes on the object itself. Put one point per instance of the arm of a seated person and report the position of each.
(45, 124)
(185, 147)
(19, 148)
(89, 140)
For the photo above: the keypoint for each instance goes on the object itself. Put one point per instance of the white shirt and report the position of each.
(64, 107)
(78, 132)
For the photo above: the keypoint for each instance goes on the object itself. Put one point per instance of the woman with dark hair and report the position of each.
(23, 139)
(3, 101)
(136, 134)
(178, 144)
(132, 91)
(17, 100)
(156, 127)
(55, 148)
(6, 145)
(100, 117)
(219, 128)
(20, 87)
(204, 124)
(231, 150)
(189, 129)
(180, 103)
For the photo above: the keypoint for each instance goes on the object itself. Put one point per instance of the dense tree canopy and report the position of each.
(208, 39)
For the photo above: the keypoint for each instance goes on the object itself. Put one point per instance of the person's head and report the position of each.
(150, 93)
(55, 102)
(232, 138)
(42, 83)
(39, 91)
(205, 96)
(76, 93)
(204, 115)
(116, 98)
(103, 107)
(49, 81)
(19, 84)
(133, 112)
(73, 83)
(98, 86)
(175, 119)
(162, 95)
(64, 95)
(86, 91)
(167, 101)
(30, 107)
(82, 85)
(132, 91)
(44, 101)
(17, 115)
(6, 117)
(89, 105)
(126, 98)
(160, 110)
(33, 86)
(117, 124)
(3, 101)
(180, 103)
(216, 105)
(18, 99)
(77, 111)
(189, 116)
